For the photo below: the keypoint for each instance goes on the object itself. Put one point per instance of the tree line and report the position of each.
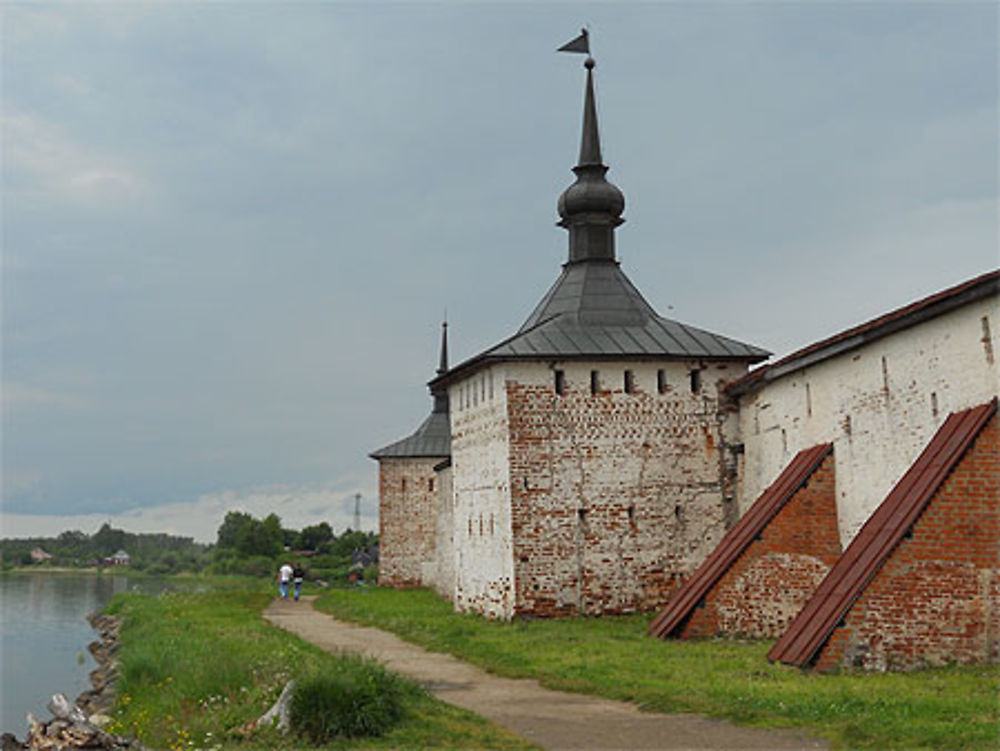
(244, 545)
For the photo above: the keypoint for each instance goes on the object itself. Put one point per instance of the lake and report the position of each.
(44, 636)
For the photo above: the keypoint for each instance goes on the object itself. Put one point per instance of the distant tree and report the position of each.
(108, 540)
(249, 536)
(311, 538)
(235, 530)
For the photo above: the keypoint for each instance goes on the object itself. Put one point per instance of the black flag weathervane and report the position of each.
(581, 44)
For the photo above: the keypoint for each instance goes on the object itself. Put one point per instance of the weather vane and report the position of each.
(582, 45)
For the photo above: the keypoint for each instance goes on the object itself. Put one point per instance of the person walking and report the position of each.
(284, 579)
(298, 574)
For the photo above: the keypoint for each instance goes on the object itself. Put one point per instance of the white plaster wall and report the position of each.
(879, 404)
(483, 558)
(443, 577)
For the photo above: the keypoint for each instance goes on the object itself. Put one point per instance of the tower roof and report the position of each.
(433, 437)
(593, 310)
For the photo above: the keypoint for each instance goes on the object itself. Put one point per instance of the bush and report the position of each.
(360, 699)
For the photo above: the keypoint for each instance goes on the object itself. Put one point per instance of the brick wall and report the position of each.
(936, 600)
(484, 575)
(879, 405)
(614, 496)
(407, 520)
(769, 583)
(443, 579)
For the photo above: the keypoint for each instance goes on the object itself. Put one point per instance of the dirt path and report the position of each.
(552, 719)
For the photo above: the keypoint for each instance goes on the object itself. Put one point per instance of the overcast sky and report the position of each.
(231, 230)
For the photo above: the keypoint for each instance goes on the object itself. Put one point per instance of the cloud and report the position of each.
(43, 162)
(18, 396)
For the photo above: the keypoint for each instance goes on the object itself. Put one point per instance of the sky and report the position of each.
(231, 230)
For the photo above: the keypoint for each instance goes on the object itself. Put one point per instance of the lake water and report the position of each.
(44, 635)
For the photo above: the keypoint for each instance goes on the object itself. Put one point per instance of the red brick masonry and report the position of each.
(936, 600)
(766, 579)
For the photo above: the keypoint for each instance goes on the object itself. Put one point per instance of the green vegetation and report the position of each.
(149, 553)
(948, 708)
(198, 668)
(245, 546)
(361, 699)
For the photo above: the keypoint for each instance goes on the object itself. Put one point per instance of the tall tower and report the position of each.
(408, 493)
(588, 449)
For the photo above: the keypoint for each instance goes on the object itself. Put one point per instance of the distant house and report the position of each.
(365, 556)
(40, 556)
(121, 558)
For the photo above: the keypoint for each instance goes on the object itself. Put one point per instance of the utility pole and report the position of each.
(357, 512)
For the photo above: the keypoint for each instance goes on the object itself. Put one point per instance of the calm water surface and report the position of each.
(44, 636)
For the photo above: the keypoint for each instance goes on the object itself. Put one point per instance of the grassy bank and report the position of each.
(197, 667)
(950, 708)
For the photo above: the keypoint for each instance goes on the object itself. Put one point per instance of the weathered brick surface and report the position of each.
(484, 573)
(408, 505)
(614, 496)
(770, 582)
(936, 600)
(879, 404)
(443, 577)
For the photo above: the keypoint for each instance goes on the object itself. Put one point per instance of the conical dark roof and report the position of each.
(593, 310)
(433, 437)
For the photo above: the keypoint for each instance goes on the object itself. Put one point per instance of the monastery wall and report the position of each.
(615, 496)
(442, 573)
(407, 520)
(936, 600)
(879, 404)
(767, 586)
(484, 575)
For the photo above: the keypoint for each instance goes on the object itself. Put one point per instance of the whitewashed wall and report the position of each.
(483, 559)
(879, 404)
(442, 577)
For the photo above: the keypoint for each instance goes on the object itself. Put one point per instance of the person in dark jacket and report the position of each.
(298, 574)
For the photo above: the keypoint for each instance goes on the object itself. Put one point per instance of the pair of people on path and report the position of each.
(287, 575)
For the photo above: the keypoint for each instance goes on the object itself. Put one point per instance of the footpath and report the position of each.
(551, 719)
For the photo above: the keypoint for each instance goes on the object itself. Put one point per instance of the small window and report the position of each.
(629, 382)
(560, 382)
(402, 485)
(595, 382)
(661, 381)
(430, 484)
(695, 381)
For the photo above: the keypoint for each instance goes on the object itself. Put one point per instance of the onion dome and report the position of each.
(591, 207)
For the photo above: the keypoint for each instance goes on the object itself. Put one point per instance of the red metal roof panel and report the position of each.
(878, 537)
(738, 539)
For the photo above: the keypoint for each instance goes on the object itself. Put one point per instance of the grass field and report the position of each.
(197, 667)
(947, 708)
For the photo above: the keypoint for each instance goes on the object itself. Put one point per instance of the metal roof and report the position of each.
(431, 439)
(738, 539)
(878, 537)
(593, 311)
(984, 285)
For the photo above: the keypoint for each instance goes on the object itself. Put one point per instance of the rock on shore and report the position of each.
(78, 724)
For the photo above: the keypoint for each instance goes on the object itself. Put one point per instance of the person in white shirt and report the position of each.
(284, 579)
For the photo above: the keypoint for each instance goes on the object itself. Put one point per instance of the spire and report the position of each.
(441, 395)
(590, 140)
(443, 365)
(591, 207)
